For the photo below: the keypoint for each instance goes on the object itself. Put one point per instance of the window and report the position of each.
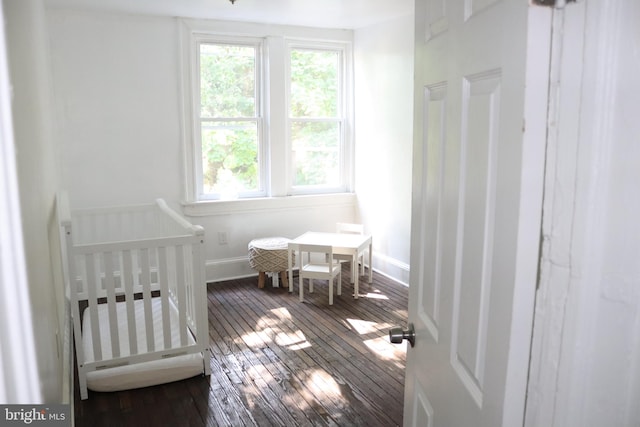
(229, 121)
(269, 116)
(315, 118)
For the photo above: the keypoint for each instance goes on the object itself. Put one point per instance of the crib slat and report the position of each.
(146, 297)
(182, 299)
(164, 295)
(127, 278)
(111, 304)
(91, 286)
(122, 254)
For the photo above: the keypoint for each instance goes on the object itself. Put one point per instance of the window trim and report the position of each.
(276, 154)
(197, 119)
(344, 115)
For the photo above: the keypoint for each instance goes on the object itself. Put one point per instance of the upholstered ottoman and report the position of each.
(269, 255)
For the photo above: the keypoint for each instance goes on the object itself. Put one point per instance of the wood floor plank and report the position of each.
(244, 308)
(278, 362)
(347, 346)
(337, 403)
(257, 361)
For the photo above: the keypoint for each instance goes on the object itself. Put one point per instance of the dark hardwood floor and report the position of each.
(279, 362)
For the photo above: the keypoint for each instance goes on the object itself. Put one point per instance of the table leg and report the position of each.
(354, 267)
(371, 262)
(290, 263)
(356, 279)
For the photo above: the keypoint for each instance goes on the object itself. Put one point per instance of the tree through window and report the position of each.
(315, 116)
(229, 120)
(271, 117)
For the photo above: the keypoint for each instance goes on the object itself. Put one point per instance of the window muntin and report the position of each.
(224, 132)
(229, 121)
(316, 117)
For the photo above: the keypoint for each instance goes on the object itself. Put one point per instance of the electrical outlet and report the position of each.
(222, 238)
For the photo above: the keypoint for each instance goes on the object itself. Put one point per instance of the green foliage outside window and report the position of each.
(314, 83)
(228, 94)
(315, 128)
(229, 118)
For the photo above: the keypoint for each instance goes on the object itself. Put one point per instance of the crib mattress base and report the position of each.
(145, 374)
(136, 375)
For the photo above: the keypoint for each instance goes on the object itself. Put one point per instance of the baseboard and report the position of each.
(228, 269)
(238, 267)
(392, 268)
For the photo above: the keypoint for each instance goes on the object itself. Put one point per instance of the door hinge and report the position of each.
(558, 4)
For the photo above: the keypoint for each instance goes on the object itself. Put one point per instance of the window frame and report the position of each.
(345, 163)
(275, 150)
(258, 45)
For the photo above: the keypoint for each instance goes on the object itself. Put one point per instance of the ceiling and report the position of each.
(350, 14)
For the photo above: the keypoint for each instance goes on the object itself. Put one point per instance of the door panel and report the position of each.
(435, 112)
(472, 287)
(478, 160)
(437, 18)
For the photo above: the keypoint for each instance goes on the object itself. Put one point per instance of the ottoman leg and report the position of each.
(261, 278)
(283, 279)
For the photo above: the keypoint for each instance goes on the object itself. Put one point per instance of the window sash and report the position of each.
(202, 121)
(339, 183)
(273, 124)
(235, 139)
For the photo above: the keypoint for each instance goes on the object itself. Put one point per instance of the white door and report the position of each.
(481, 83)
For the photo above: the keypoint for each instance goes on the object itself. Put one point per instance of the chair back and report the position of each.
(349, 228)
(325, 250)
(320, 265)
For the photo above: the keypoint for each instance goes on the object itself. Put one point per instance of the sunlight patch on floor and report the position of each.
(253, 339)
(292, 340)
(321, 383)
(383, 348)
(276, 327)
(379, 344)
(376, 294)
(364, 327)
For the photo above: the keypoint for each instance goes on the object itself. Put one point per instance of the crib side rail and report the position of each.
(104, 277)
(178, 220)
(152, 270)
(109, 262)
(130, 223)
(69, 274)
(192, 297)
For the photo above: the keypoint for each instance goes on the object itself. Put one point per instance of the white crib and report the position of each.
(138, 295)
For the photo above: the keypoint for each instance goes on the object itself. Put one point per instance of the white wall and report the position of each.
(117, 90)
(117, 107)
(384, 136)
(38, 176)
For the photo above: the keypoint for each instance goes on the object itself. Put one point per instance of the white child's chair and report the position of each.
(319, 265)
(345, 227)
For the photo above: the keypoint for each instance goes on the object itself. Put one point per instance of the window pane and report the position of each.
(314, 83)
(230, 157)
(227, 81)
(316, 147)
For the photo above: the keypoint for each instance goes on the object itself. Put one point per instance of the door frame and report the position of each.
(590, 140)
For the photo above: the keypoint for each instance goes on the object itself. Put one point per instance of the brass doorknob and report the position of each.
(397, 335)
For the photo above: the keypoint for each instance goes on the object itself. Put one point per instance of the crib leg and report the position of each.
(82, 381)
(207, 362)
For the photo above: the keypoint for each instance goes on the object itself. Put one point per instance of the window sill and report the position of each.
(266, 204)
